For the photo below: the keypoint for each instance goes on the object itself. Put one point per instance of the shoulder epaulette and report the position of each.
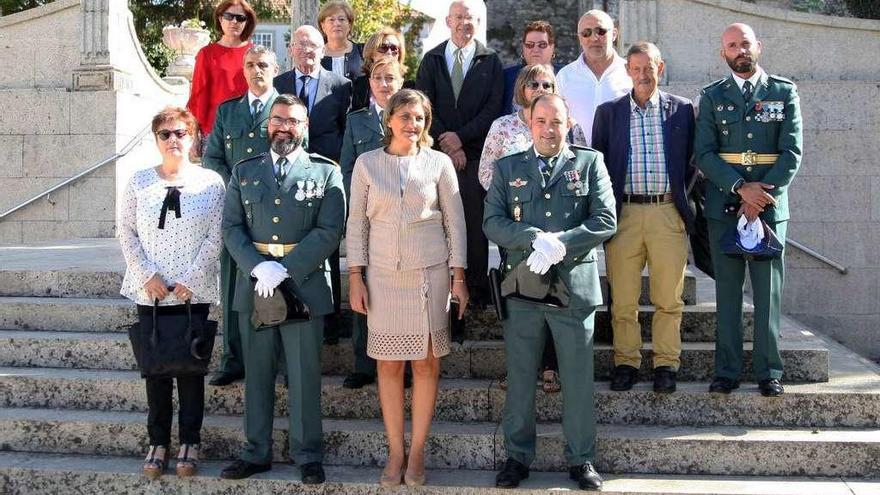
(714, 84)
(255, 157)
(234, 98)
(781, 79)
(314, 157)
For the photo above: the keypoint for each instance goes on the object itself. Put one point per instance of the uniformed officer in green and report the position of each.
(239, 133)
(284, 215)
(748, 144)
(549, 207)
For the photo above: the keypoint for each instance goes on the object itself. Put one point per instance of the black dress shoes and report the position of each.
(586, 476)
(771, 387)
(221, 379)
(511, 474)
(240, 470)
(722, 385)
(623, 378)
(664, 380)
(312, 473)
(358, 380)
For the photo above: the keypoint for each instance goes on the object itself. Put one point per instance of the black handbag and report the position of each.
(172, 343)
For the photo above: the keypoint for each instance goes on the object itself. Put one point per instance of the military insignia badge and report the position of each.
(518, 182)
(243, 182)
(572, 175)
(517, 213)
(300, 192)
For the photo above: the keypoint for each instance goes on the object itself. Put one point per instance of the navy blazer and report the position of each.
(327, 116)
(611, 137)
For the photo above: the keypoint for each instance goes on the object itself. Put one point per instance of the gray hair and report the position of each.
(645, 48)
(260, 50)
(312, 32)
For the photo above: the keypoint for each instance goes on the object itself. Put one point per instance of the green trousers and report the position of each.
(524, 336)
(231, 362)
(767, 279)
(302, 352)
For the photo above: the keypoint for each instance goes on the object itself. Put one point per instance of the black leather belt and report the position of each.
(644, 199)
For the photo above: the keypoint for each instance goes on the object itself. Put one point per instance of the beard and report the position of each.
(742, 64)
(284, 143)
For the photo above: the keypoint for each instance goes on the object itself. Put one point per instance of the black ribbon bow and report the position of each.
(172, 202)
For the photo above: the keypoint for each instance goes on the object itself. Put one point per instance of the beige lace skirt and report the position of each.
(405, 309)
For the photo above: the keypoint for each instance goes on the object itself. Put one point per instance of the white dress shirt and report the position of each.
(467, 56)
(264, 98)
(584, 92)
(291, 159)
(754, 80)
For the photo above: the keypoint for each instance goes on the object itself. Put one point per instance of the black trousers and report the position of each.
(190, 396)
(472, 197)
(333, 321)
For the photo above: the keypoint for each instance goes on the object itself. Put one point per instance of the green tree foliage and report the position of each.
(868, 9)
(12, 6)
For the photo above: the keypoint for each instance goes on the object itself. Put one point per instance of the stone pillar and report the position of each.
(638, 22)
(303, 12)
(96, 72)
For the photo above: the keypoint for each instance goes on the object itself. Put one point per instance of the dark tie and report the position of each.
(304, 91)
(747, 91)
(547, 170)
(257, 107)
(281, 173)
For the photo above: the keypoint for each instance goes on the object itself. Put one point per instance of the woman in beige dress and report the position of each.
(405, 235)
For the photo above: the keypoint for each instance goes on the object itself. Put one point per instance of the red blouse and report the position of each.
(217, 77)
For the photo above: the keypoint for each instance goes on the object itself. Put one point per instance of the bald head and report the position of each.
(306, 48)
(741, 49)
(596, 34)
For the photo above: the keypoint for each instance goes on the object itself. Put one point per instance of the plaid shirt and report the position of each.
(647, 160)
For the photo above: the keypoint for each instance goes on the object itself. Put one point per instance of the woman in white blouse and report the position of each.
(405, 239)
(170, 236)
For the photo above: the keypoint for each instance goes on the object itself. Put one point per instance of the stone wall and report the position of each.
(75, 89)
(835, 198)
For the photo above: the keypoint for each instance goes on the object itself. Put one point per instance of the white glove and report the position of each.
(264, 289)
(538, 263)
(548, 244)
(271, 273)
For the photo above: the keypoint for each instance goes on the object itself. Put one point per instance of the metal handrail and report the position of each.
(136, 140)
(819, 256)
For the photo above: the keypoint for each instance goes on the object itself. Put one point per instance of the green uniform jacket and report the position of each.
(257, 210)
(236, 135)
(769, 123)
(363, 132)
(577, 200)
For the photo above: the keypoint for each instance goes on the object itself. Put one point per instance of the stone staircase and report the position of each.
(74, 409)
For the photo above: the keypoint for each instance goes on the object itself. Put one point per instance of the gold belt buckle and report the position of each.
(748, 157)
(276, 250)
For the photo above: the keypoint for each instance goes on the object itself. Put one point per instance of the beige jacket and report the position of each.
(422, 228)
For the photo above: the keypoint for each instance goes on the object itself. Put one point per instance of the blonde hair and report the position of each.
(372, 45)
(526, 75)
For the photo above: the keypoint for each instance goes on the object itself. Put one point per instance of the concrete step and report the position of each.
(114, 315)
(839, 403)
(28, 474)
(620, 449)
(806, 360)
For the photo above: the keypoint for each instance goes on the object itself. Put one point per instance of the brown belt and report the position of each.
(749, 158)
(276, 250)
(644, 199)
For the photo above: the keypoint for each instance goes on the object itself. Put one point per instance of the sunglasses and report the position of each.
(531, 44)
(229, 16)
(540, 84)
(388, 47)
(165, 134)
(586, 33)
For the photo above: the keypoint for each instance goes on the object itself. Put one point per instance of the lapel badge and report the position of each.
(243, 182)
(256, 182)
(518, 182)
(729, 108)
(300, 192)
(759, 105)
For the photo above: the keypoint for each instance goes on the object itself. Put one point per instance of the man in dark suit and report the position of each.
(647, 139)
(327, 97)
(465, 83)
(239, 134)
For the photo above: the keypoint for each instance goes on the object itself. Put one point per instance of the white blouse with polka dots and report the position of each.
(188, 249)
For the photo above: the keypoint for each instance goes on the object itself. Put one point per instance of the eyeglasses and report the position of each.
(340, 19)
(229, 16)
(531, 44)
(281, 122)
(305, 45)
(540, 84)
(586, 33)
(165, 134)
(388, 47)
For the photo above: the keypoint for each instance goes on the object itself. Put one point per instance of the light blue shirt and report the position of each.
(467, 56)
(311, 89)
